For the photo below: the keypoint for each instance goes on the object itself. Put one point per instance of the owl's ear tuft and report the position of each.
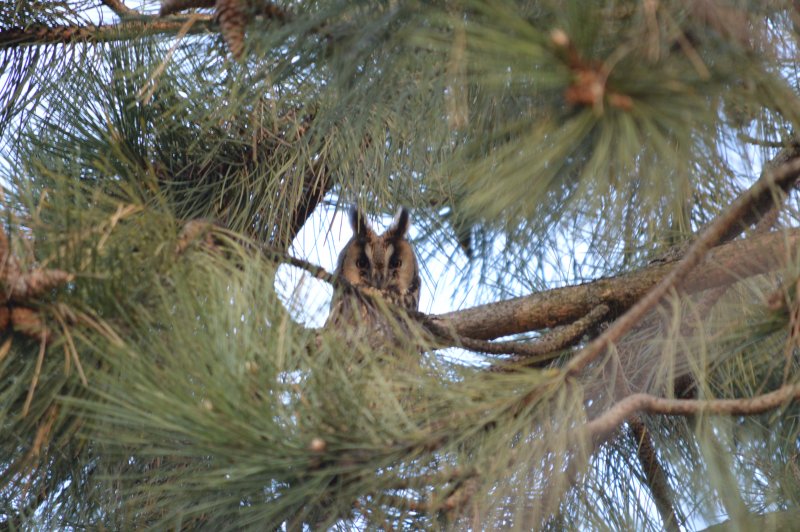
(359, 223)
(400, 224)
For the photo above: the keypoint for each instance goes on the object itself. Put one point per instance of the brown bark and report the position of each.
(318, 184)
(603, 426)
(119, 7)
(43, 35)
(724, 265)
(168, 7)
(655, 474)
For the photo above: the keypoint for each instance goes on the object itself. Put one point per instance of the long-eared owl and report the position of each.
(382, 266)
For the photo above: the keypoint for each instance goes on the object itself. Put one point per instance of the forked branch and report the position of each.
(781, 177)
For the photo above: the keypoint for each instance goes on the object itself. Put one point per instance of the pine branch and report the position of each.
(684, 384)
(129, 29)
(119, 7)
(321, 184)
(603, 426)
(168, 7)
(232, 16)
(725, 264)
(655, 474)
(526, 353)
(577, 307)
(778, 176)
(747, 208)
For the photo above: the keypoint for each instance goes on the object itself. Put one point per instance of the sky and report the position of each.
(322, 238)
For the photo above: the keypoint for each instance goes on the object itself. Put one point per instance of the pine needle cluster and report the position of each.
(625, 170)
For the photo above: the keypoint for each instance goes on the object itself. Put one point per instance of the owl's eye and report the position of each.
(395, 262)
(361, 262)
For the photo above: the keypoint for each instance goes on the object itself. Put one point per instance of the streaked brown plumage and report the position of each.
(383, 266)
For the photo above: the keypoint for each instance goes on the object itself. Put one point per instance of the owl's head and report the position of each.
(385, 262)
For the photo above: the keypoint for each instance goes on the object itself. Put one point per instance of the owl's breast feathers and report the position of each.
(380, 266)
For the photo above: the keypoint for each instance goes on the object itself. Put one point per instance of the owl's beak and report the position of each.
(378, 279)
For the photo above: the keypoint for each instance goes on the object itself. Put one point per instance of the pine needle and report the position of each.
(36, 373)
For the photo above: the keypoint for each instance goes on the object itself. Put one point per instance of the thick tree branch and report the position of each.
(748, 207)
(724, 265)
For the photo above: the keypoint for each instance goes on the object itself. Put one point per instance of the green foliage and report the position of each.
(551, 142)
(209, 414)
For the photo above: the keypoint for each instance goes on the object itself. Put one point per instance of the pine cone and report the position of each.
(232, 19)
(28, 322)
(5, 317)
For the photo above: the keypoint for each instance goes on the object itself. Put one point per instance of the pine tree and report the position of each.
(613, 182)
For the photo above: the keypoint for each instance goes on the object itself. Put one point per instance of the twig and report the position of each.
(150, 86)
(118, 7)
(127, 29)
(169, 7)
(655, 475)
(782, 176)
(604, 425)
(561, 338)
(317, 271)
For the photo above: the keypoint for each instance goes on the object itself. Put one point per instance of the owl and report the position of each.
(383, 266)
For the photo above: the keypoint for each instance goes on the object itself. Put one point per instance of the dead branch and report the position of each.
(317, 271)
(603, 426)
